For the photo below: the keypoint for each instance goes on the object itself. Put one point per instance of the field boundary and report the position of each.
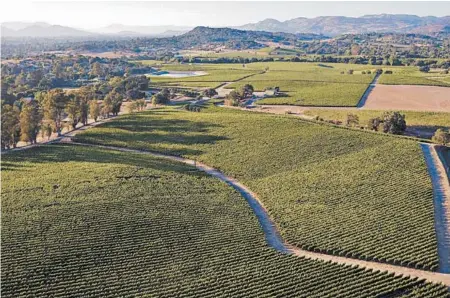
(441, 197)
(269, 228)
(365, 96)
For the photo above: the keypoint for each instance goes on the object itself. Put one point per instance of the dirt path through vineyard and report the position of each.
(272, 235)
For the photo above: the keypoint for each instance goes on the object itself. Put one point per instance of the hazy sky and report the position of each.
(90, 14)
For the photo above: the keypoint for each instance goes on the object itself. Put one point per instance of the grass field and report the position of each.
(332, 190)
(85, 222)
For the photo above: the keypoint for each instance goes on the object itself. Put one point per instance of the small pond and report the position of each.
(176, 74)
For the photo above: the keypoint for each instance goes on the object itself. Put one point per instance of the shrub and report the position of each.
(352, 120)
(441, 137)
(425, 68)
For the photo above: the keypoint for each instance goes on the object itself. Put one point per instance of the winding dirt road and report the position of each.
(273, 238)
(272, 235)
(441, 196)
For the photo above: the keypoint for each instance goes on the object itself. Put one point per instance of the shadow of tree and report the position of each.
(60, 153)
(170, 136)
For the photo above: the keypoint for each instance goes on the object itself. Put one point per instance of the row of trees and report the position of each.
(391, 122)
(25, 119)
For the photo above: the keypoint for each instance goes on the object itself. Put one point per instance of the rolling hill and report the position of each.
(19, 29)
(336, 25)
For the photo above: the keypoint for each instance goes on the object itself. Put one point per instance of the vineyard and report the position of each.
(412, 76)
(306, 93)
(331, 190)
(311, 84)
(216, 75)
(91, 222)
(412, 118)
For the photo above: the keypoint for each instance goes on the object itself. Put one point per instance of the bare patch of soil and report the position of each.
(409, 98)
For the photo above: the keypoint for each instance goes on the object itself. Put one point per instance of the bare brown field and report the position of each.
(409, 98)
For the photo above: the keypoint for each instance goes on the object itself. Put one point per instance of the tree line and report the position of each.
(50, 110)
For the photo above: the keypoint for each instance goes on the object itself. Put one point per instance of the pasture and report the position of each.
(88, 222)
(328, 189)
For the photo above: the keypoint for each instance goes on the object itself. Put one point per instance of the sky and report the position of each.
(96, 14)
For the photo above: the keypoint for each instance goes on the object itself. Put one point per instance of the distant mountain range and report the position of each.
(41, 29)
(329, 26)
(336, 25)
(143, 30)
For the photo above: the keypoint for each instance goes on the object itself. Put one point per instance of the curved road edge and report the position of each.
(272, 235)
(441, 198)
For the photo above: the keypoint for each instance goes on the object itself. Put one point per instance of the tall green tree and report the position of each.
(394, 122)
(94, 109)
(232, 99)
(73, 109)
(10, 129)
(30, 121)
(85, 95)
(112, 103)
(246, 91)
(54, 104)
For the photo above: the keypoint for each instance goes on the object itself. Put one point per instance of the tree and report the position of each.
(113, 102)
(54, 104)
(84, 95)
(374, 123)
(96, 70)
(232, 99)
(352, 120)
(394, 122)
(210, 92)
(20, 80)
(73, 110)
(132, 107)
(94, 109)
(246, 91)
(30, 121)
(10, 126)
(162, 97)
(140, 104)
(441, 137)
(46, 130)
